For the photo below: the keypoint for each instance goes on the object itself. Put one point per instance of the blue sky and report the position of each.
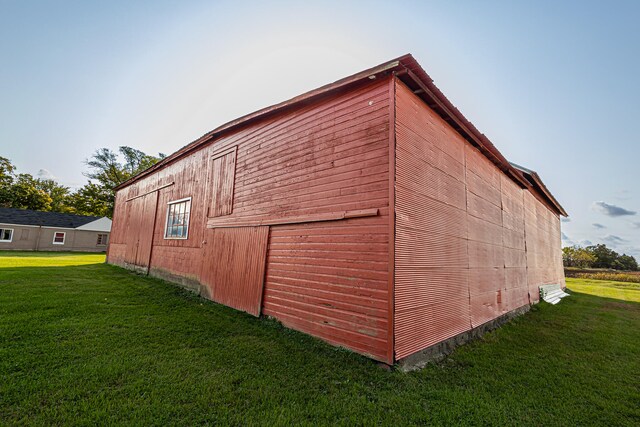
(552, 84)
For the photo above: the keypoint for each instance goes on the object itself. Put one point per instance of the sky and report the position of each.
(554, 85)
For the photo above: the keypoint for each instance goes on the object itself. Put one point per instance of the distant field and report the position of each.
(85, 343)
(599, 274)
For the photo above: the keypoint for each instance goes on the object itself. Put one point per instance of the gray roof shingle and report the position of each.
(47, 219)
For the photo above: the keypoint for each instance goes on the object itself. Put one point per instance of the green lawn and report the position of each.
(82, 342)
(626, 291)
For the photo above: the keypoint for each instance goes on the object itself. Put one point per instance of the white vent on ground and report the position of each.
(552, 293)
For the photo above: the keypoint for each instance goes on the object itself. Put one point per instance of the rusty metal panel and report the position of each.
(233, 264)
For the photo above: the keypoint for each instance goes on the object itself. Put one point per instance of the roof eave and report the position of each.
(409, 71)
(307, 97)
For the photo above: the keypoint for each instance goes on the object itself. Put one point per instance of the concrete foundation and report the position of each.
(187, 283)
(441, 350)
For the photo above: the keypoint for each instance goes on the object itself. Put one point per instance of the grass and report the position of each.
(82, 342)
(625, 291)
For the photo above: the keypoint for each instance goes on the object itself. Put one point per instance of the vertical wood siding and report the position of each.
(329, 279)
(233, 264)
(461, 254)
(221, 182)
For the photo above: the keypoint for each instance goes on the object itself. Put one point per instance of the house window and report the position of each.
(102, 239)
(6, 234)
(177, 225)
(221, 183)
(58, 237)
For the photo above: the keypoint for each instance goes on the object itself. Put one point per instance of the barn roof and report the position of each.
(46, 219)
(407, 69)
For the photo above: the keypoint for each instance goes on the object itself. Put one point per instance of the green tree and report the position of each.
(109, 172)
(7, 170)
(92, 199)
(576, 256)
(25, 194)
(626, 262)
(605, 256)
(59, 194)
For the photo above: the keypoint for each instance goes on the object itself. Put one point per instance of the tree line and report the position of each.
(106, 170)
(597, 256)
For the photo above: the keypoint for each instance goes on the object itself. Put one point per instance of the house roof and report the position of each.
(407, 69)
(101, 224)
(47, 219)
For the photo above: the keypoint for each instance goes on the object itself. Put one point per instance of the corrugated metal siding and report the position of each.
(543, 241)
(233, 263)
(460, 233)
(329, 156)
(431, 260)
(330, 280)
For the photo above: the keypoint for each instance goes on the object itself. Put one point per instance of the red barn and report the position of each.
(368, 213)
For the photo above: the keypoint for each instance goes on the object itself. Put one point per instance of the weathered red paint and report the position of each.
(368, 213)
(462, 257)
(233, 264)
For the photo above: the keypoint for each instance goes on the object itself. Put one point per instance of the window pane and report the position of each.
(178, 220)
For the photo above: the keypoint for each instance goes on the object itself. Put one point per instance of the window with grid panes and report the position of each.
(177, 225)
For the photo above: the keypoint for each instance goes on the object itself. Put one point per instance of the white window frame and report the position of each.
(2, 229)
(106, 239)
(166, 219)
(64, 237)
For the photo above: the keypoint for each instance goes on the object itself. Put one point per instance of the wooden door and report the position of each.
(140, 226)
(233, 266)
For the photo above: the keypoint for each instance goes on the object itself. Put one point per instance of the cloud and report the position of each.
(565, 219)
(635, 224)
(612, 210)
(45, 174)
(566, 240)
(614, 240)
(598, 226)
(586, 243)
